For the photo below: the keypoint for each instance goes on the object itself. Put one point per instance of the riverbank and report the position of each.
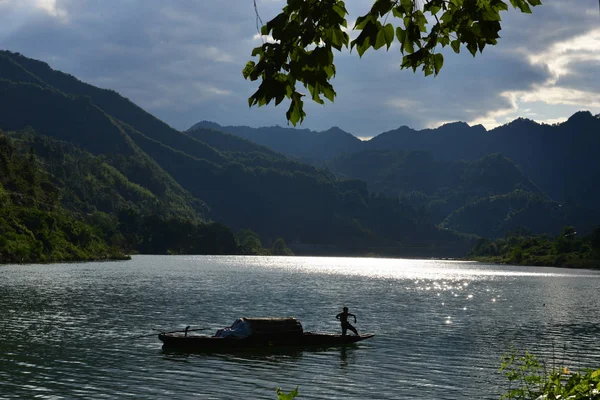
(541, 261)
(77, 259)
(567, 250)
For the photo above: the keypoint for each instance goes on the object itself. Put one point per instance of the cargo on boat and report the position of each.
(257, 333)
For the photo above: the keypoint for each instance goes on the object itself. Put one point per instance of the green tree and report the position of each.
(564, 242)
(249, 241)
(279, 248)
(306, 32)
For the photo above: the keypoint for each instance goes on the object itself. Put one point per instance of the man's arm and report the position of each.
(338, 316)
(352, 315)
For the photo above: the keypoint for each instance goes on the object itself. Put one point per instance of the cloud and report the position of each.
(52, 8)
(183, 60)
(571, 82)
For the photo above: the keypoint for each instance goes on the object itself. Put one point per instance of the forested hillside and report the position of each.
(487, 197)
(561, 159)
(142, 174)
(459, 176)
(567, 249)
(61, 204)
(34, 226)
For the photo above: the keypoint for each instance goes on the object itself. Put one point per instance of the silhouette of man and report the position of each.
(343, 317)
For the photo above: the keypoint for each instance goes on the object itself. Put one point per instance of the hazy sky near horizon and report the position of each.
(182, 60)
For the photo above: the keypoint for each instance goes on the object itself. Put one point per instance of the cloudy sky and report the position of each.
(182, 61)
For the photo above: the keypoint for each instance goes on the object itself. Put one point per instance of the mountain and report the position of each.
(450, 167)
(159, 183)
(302, 144)
(561, 159)
(34, 226)
(396, 172)
(76, 120)
(495, 216)
(18, 68)
(489, 197)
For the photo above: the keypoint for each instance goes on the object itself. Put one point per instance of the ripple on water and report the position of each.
(441, 326)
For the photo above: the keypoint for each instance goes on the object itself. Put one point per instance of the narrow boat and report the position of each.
(257, 334)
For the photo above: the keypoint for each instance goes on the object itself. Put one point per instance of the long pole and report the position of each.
(160, 331)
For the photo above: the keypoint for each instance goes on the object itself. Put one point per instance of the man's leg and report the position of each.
(353, 329)
(344, 327)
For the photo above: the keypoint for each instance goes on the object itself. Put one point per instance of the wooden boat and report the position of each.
(257, 334)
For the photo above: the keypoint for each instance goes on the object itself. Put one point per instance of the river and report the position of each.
(69, 330)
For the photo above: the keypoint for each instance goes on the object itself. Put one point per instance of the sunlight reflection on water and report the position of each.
(402, 268)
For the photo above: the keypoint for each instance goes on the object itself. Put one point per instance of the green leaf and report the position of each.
(455, 44)
(364, 46)
(408, 5)
(382, 7)
(281, 395)
(361, 22)
(380, 41)
(438, 62)
(385, 37)
(248, 69)
(389, 34)
(472, 47)
(428, 69)
(328, 92)
(258, 51)
(401, 35)
(521, 5)
(340, 10)
(296, 113)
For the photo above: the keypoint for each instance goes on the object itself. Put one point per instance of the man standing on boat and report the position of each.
(343, 317)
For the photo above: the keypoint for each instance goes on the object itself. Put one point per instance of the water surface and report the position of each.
(441, 326)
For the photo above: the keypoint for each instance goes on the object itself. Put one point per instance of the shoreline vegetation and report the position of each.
(567, 250)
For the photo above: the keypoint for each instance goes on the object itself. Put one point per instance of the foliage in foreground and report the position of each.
(305, 34)
(529, 380)
(281, 395)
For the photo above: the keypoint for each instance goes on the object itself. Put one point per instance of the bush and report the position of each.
(532, 381)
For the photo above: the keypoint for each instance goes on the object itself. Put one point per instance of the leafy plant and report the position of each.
(281, 395)
(529, 379)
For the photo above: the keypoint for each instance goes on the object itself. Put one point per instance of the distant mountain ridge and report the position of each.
(562, 159)
(302, 144)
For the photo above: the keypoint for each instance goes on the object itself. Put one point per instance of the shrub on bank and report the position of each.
(529, 380)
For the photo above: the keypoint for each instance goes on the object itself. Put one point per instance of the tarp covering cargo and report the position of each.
(244, 327)
(239, 329)
(273, 326)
